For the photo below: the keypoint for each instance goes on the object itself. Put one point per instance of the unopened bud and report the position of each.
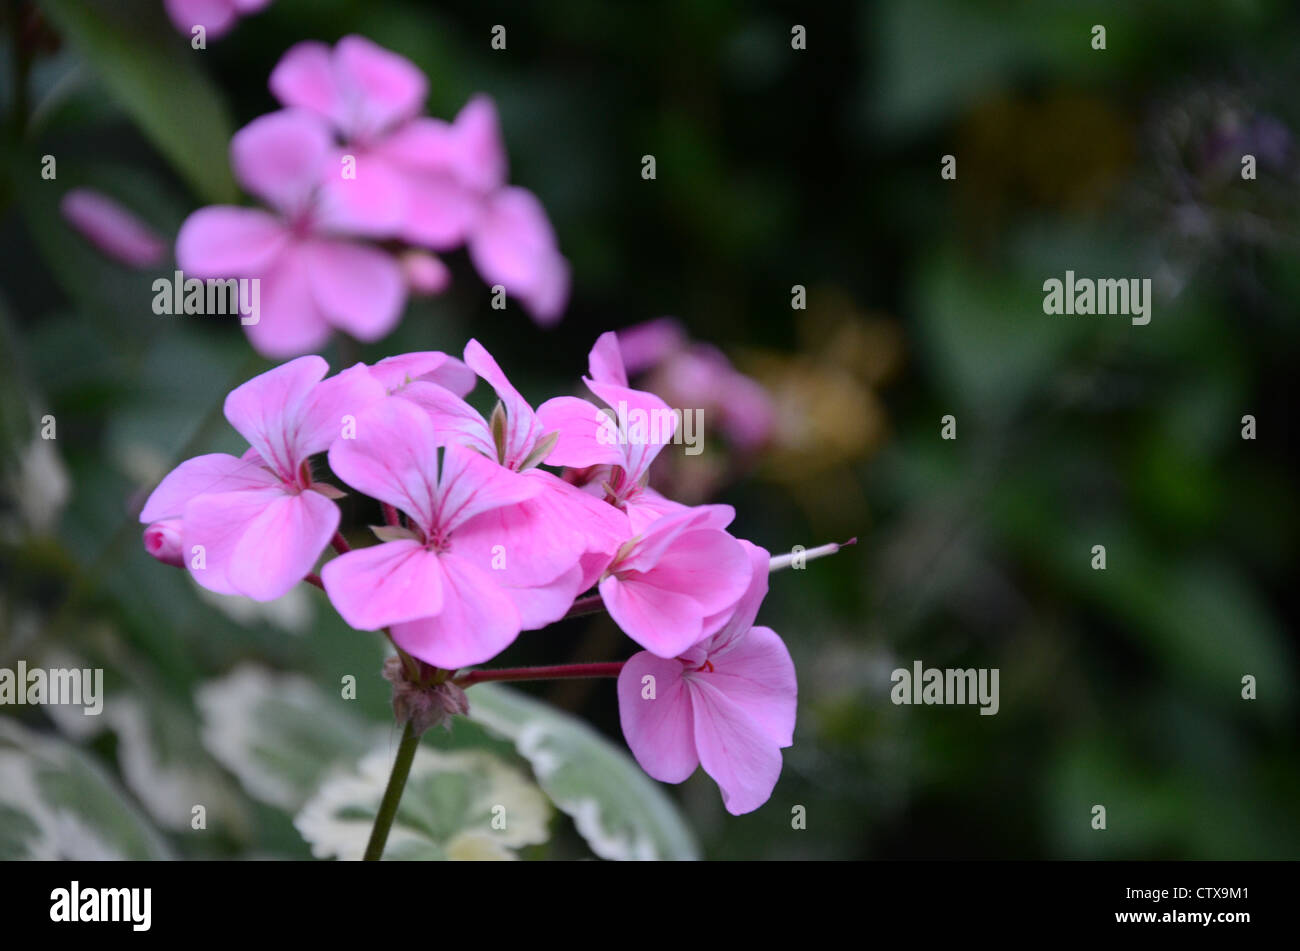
(163, 541)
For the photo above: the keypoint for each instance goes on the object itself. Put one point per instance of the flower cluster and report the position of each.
(481, 542)
(350, 163)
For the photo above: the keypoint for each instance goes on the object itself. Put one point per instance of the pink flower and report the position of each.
(728, 704)
(215, 16)
(257, 524)
(449, 179)
(697, 374)
(439, 595)
(676, 582)
(588, 439)
(112, 229)
(313, 280)
(556, 543)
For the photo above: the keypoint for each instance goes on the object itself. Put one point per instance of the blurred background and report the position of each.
(776, 167)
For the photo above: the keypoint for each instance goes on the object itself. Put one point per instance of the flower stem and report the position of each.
(592, 604)
(561, 672)
(785, 561)
(392, 794)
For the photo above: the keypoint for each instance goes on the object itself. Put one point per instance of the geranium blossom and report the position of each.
(255, 525)
(447, 179)
(727, 703)
(442, 599)
(314, 277)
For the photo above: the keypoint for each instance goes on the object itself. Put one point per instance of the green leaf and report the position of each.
(154, 74)
(460, 805)
(56, 803)
(280, 734)
(620, 811)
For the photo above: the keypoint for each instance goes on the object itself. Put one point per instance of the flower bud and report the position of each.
(424, 705)
(163, 541)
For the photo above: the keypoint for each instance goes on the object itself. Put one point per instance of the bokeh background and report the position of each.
(775, 167)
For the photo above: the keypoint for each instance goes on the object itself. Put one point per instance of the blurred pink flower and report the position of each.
(447, 179)
(112, 229)
(260, 521)
(727, 703)
(215, 16)
(313, 280)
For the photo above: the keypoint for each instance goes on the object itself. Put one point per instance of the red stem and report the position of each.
(313, 578)
(560, 672)
(340, 543)
(390, 515)
(592, 604)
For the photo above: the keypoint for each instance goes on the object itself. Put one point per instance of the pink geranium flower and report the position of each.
(727, 703)
(449, 179)
(440, 597)
(215, 16)
(112, 229)
(256, 525)
(556, 543)
(587, 438)
(315, 278)
(675, 583)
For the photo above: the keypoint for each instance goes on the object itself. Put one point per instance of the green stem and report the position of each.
(392, 794)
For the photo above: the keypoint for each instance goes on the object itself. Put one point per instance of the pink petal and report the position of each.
(586, 438)
(433, 366)
(709, 565)
(546, 299)
(543, 605)
(480, 154)
(757, 675)
(112, 229)
(267, 411)
(605, 362)
(281, 545)
(332, 407)
(371, 203)
(304, 78)
(202, 475)
(280, 157)
(215, 16)
(472, 484)
(384, 584)
(439, 212)
(656, 539)
(742, 759)
(741, 617)
(359, 288)
(513, 245)
(258, 543)
(663, 622)
(522, 428)
(224, 241)
(453, 419)
(384, 88)
(393, 458)
(649, 421)
(646, 345)
(647, 506)
(290, 322)
(476, 623)
(660, 732)
(521, 545)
